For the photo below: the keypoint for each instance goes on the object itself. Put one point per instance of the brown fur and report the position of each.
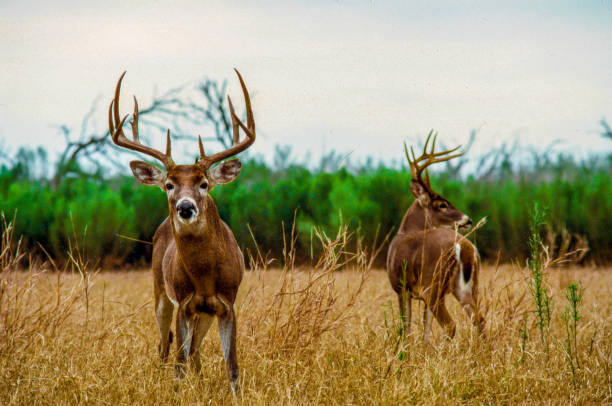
(422, 263)
(206, 268)
(197, 264)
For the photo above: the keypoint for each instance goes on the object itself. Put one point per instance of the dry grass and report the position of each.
(328, 339)
(306, 336)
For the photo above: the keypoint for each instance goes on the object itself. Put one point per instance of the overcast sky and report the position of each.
(358, 76)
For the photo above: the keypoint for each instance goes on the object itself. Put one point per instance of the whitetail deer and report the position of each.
(428, 258)
(197, 264)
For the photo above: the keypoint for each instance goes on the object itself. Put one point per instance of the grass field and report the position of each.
(304, 338)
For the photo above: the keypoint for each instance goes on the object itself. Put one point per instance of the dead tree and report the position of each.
(181, 107)
(607, 131)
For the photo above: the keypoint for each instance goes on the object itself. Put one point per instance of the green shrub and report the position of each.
(578, 198)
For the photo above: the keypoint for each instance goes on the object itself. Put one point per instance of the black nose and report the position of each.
(185, 209)
(469, 222)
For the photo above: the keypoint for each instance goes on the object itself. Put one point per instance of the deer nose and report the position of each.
(185, 209)
(465, 222)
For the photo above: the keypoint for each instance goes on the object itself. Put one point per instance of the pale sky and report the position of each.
(355, 76)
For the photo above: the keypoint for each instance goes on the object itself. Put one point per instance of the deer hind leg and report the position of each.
(227, 336)
(469, 303)
(202, 325)
(466, 290)
(405, 307)
(439, 311)
(163, 313)
(477, 319)
(472, 312)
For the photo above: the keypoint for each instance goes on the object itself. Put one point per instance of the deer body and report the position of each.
(429, 259)
(197, 264)
(200, 275)
(204, 264)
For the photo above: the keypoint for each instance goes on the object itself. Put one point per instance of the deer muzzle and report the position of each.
(465, 222)
(187, 210)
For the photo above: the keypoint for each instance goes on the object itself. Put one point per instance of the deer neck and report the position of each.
(415, 220)
(196, 250)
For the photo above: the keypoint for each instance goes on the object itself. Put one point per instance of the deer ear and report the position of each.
(420, 194)
(225, 172)
(147, 174)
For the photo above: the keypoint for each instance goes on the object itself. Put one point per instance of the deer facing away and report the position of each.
(197, 264)
(428, 258)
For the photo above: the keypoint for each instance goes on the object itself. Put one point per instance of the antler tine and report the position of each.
(433, 144)
(235, 126)
(249, 129)
(115, 130)
(115, 127)
(410, 162)
(134, 122)
(431, 132)
(431, 154)
(247, 102)
(427, 182)
(111, 122)
(430, 157)
(168, 145)
(202, 154)
(115, 103)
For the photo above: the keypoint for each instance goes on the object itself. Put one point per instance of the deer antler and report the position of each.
(430, 158)
(249, 129)
(115, 127)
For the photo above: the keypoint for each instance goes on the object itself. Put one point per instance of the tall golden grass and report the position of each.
(315, 335)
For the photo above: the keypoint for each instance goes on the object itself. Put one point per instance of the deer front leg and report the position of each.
(227, 335)
(427, 319)
(163, 313)
(184, 336)
(202, 325)
(445, 320)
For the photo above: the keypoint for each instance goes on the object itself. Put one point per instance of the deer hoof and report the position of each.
(235, 385)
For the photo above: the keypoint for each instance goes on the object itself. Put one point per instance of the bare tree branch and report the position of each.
(453, 167)
(174, 106)
(607, 130)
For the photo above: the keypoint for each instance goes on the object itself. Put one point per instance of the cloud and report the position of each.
(358, 76)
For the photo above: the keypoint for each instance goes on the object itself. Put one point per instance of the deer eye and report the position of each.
(204, 185)
(169, 186)
(443, 206)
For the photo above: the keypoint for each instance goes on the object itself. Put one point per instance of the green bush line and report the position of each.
(103, 208)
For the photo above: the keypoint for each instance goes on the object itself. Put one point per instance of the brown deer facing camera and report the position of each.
(197, 264)
(428, 258)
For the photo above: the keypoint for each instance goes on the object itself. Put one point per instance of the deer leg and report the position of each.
(475, 316)
(470, 307)
(184, 335)
(477, 319)
(427, 319)
(202, 325)
(227, 335)
(163, 313)
(405, 307)
(445, 320)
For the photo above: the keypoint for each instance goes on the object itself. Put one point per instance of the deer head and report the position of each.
(439, 212)
(187, 186)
